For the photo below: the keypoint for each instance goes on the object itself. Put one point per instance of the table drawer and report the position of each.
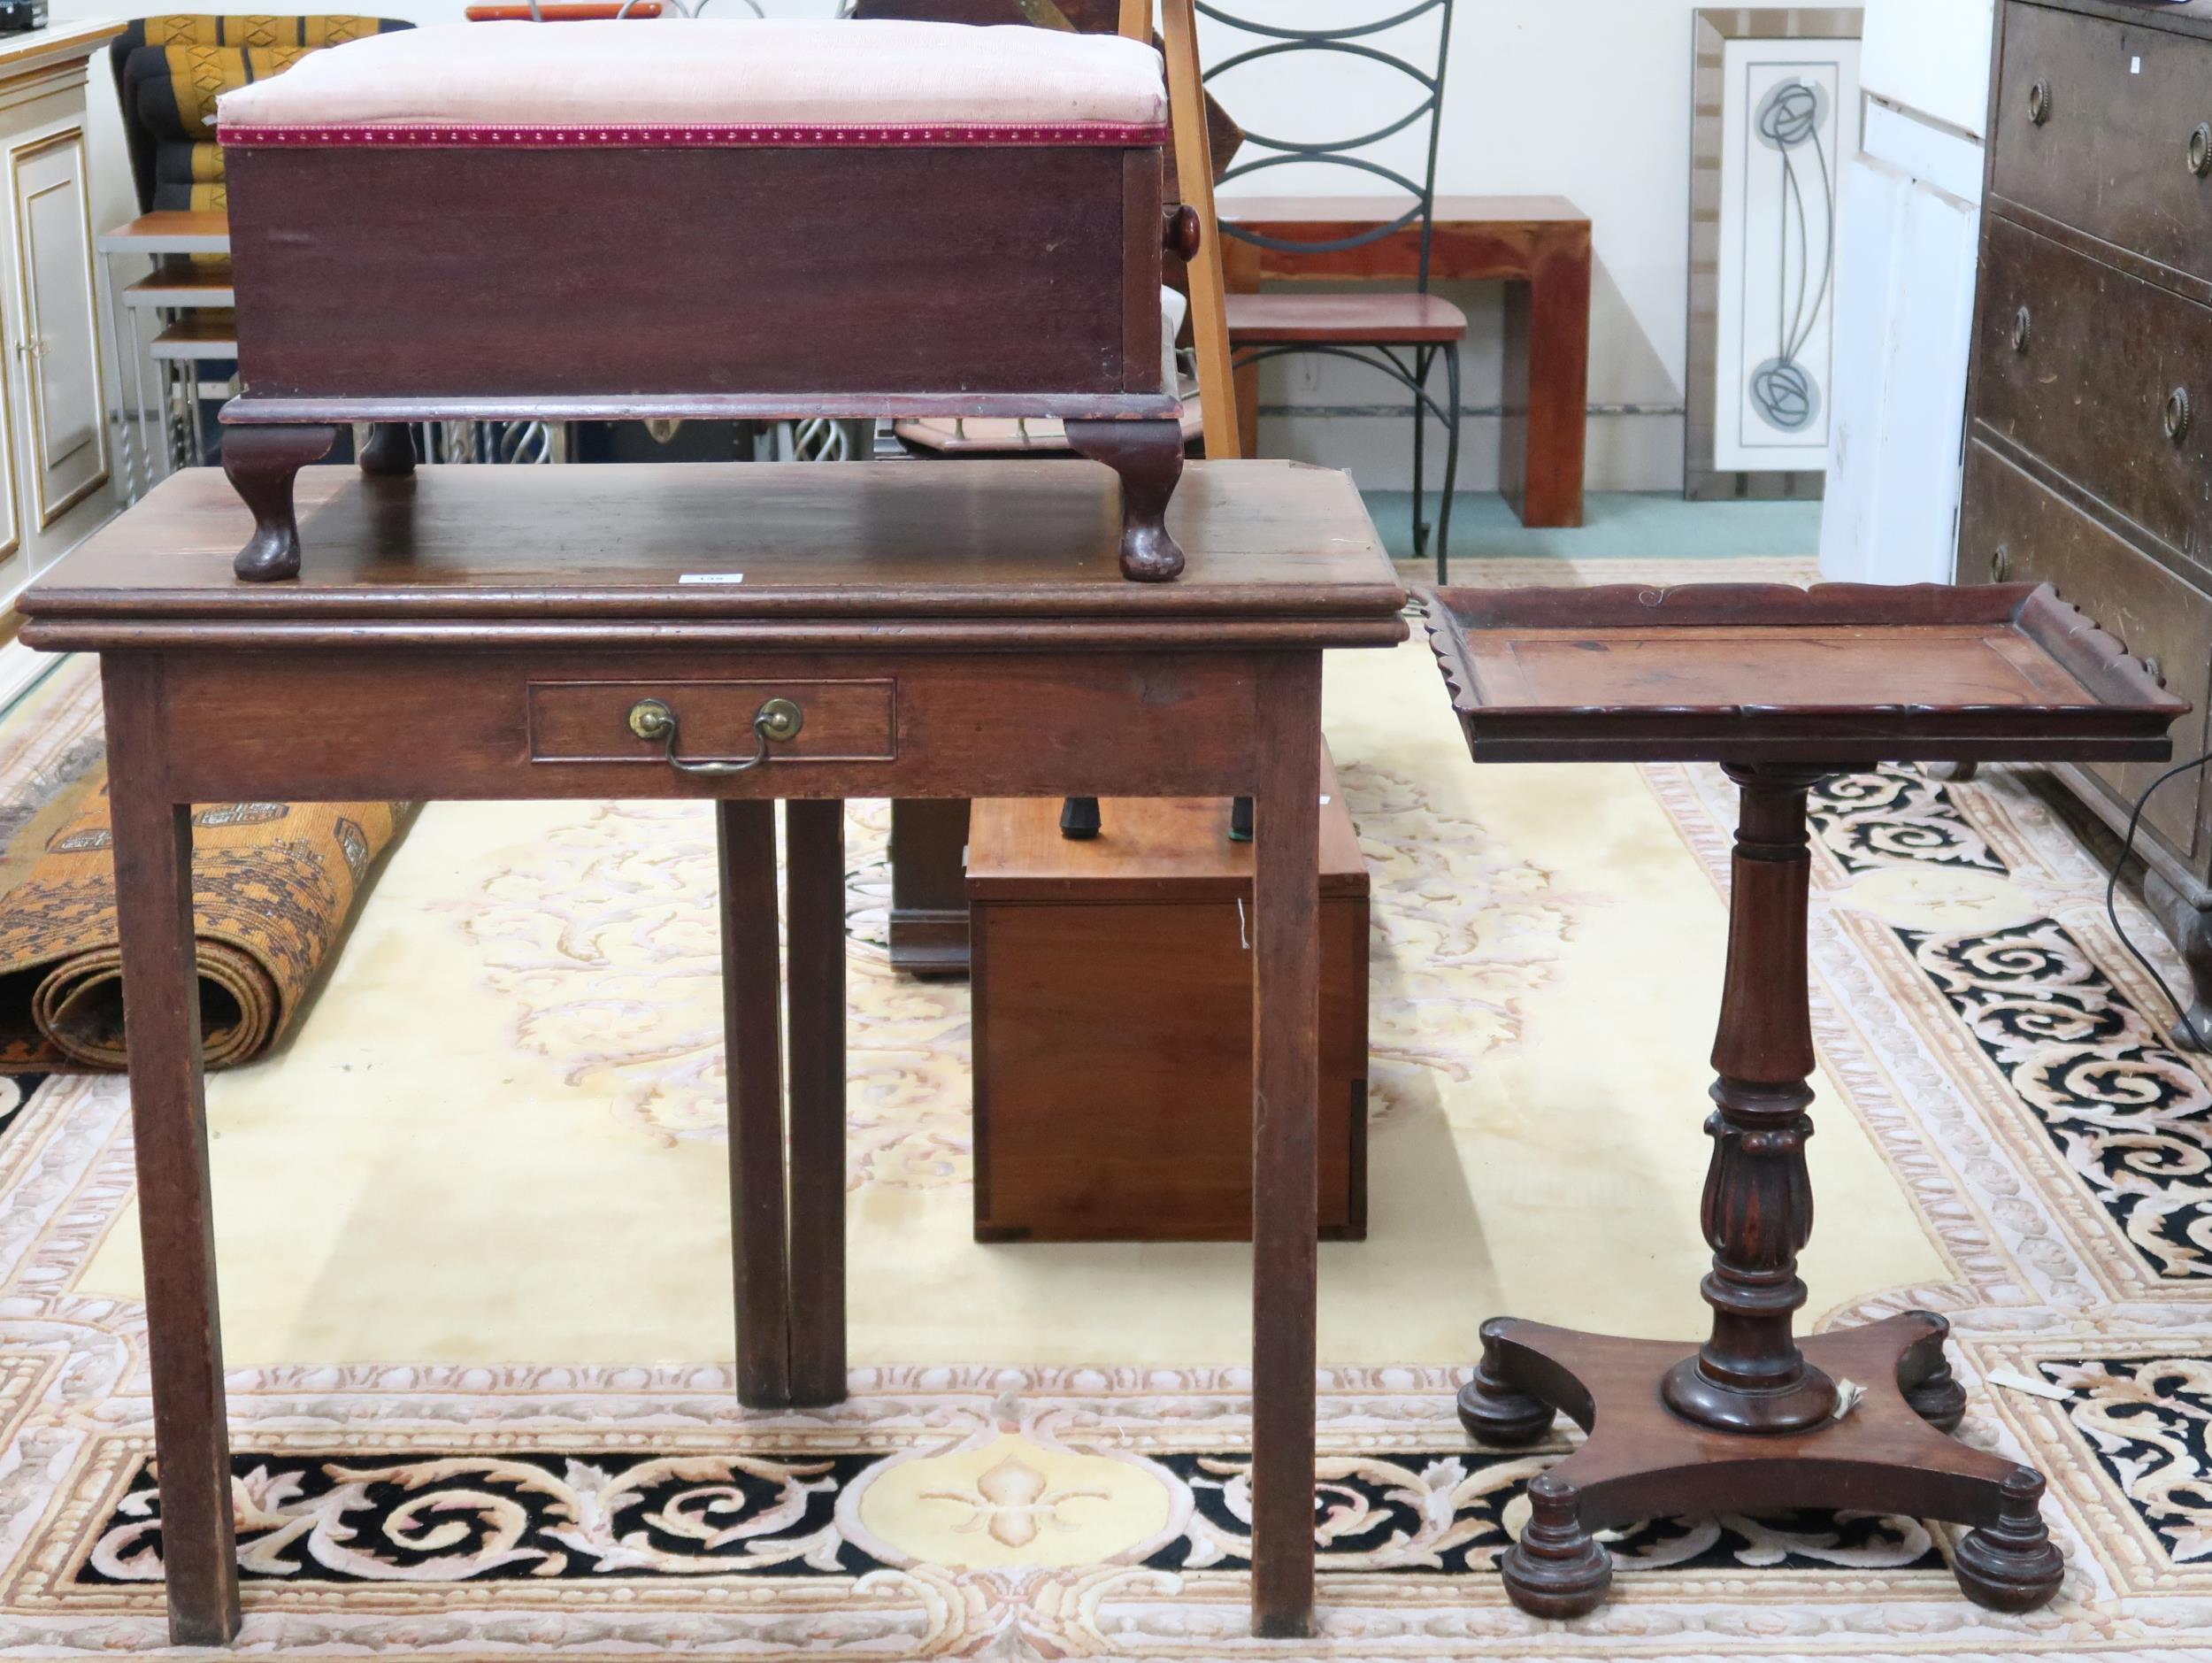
(2106, 378)
(590, 721)
(2095, 125)
(2016, 530)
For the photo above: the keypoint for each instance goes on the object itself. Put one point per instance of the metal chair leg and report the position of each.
(1421, 358)
(1451, 464)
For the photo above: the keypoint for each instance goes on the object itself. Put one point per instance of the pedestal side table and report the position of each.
(1783, 687)
(738, 634)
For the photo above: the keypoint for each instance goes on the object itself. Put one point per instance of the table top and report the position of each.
(1279, 553)
(1849, 673)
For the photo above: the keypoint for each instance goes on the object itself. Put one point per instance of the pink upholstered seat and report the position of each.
(711, 81)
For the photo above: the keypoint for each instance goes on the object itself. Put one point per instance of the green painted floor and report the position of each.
(1618, 525)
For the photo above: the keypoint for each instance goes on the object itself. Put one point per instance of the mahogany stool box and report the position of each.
(1112, 989)
(746, 219)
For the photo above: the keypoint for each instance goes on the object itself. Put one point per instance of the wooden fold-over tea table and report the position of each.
(1783, 687)
(737, 635)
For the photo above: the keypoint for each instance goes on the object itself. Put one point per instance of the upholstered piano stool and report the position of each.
(687, 218)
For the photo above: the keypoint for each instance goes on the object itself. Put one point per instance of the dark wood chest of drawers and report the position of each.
(2089, 444)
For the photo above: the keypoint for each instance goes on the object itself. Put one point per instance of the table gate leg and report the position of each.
(153, 898)
(752, 1033)
(814, 839)
(1285, 1073)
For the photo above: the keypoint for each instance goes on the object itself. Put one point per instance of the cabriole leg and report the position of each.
(390, 452)
(1148, 455)
(262, 463)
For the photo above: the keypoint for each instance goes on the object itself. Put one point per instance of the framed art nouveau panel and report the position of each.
(1776, 114)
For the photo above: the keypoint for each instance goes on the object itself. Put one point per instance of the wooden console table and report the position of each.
(1783, 687)
(738, 634)
(1538, 246)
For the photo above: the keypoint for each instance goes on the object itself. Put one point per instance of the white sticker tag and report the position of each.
(712, 577)
(1325, 802)
(2135, 67)
(2013, 1379)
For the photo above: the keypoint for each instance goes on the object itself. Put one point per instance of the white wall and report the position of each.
(1587, 99)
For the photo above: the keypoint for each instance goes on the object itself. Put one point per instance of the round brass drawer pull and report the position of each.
(2040, 102)
(2001, 565)
(777, 720)
(2200, 149)
(2022, 329)
(2180, 415)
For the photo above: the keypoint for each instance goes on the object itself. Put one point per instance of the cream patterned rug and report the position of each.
(476, 1291)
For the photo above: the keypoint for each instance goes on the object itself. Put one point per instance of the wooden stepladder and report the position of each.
(1193, 161)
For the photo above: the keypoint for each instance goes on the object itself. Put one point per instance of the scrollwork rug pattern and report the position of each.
(2017, 1144)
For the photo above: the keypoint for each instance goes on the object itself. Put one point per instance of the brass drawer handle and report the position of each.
(777, 720)
(2022, 329)
(2180, 416)
(2040, 102)
(2200, 149)
(2001, 565)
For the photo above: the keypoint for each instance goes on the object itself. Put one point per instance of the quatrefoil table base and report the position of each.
(1783, 687)
(1891, 1454)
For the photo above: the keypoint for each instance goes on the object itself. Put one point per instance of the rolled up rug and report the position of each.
(273, 885)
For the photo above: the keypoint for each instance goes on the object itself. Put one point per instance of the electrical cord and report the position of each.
(2112, 890)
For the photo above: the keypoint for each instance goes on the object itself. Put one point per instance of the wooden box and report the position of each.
(1113, 1024)
(690, 218)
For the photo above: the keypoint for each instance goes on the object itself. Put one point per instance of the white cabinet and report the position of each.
(1907, 252)
(54, 431)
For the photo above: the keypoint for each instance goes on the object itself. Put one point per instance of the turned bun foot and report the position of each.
(1939, 1401)
(1557, 1569)
(1079, 819)
(1923, 1374)
(1494, 1410)
(1148, 457)
(2012, 1566)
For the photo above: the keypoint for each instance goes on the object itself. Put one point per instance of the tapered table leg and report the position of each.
(814, 842)
(153, 898)
(752, 1029)
(1285, 1073)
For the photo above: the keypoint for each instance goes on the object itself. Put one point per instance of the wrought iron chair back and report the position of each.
(1351, 39)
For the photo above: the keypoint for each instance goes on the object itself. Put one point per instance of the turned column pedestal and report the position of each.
(1751, 1419)
(1783, 687)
